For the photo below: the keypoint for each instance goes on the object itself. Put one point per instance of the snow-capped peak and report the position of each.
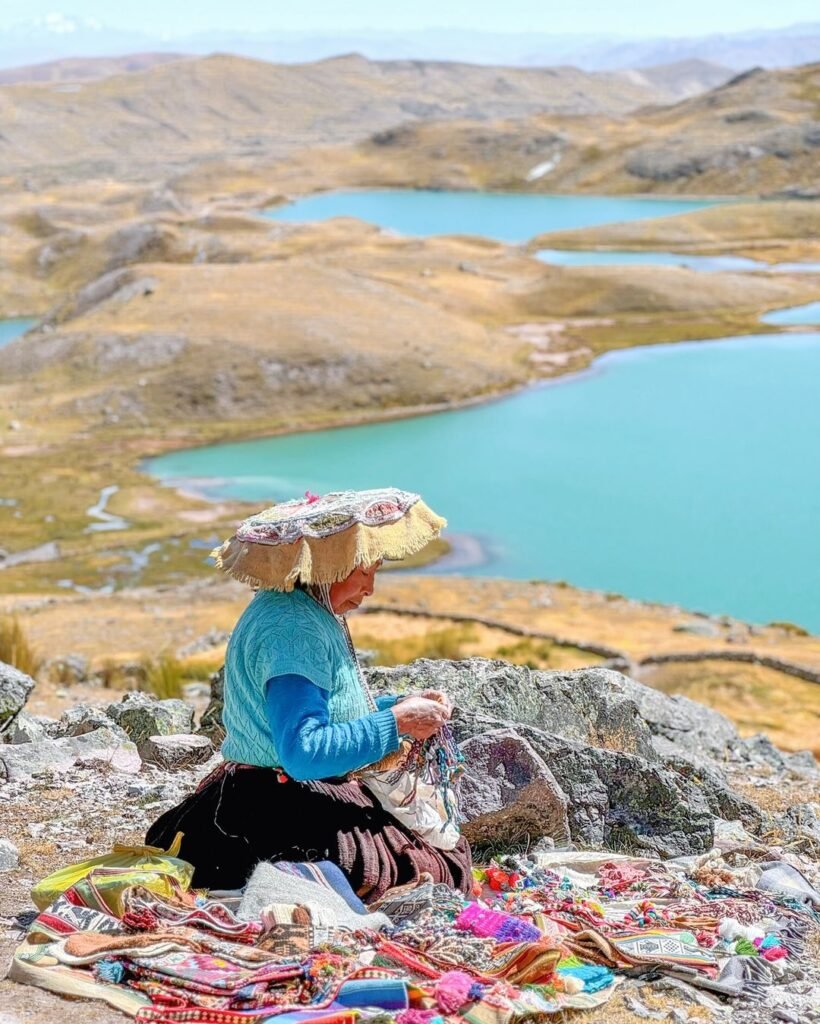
(64, 24)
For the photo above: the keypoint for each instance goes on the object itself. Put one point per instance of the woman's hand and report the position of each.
(420, 717)
(440, 697)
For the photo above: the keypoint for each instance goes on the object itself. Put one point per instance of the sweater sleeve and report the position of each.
(309, 746)
(386, 701)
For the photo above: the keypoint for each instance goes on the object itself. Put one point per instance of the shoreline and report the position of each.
(438, 408)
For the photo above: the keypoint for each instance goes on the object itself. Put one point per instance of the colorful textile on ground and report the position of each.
(532, 941)
(322, 539)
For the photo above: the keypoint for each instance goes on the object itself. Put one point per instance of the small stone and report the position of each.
(176, 752)
(705, 628)
(9, 855)
(83, 718)
(25, 728)
(194, 691)
(67, 670)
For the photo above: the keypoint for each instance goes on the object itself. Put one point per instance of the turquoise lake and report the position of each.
(11, 329)
(794, 315)
(610, 257)
(506, 216)
(685, 473)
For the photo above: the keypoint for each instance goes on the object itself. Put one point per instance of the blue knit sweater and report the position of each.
(290, 635)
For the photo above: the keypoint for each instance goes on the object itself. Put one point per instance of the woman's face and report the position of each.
(349, 593)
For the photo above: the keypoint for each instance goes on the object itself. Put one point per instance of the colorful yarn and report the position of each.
(418, 1017)
(775, 953)
(439, 762)
(111, 971)
(594, 978)
(453, 990)
(495, 924)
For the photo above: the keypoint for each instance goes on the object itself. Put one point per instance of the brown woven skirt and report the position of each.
(241, 815)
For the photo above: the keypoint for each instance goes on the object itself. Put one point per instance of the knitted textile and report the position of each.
(283, 634)
(268, 884)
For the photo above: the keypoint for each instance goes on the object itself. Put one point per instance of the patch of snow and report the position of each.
(534, 173)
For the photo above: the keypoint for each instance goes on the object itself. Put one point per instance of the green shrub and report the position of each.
(790, 627)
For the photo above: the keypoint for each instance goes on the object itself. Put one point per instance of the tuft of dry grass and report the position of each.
(15, 648)
(163, 676)
(447, 643)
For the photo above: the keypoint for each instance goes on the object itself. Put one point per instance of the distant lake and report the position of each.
(506, 216)
(11, 329)
(694, 261)
(794, 315)
(684, 473)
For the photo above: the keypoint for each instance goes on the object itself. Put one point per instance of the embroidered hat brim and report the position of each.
(323, 539)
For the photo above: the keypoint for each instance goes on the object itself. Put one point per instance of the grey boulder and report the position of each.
(82, 718)
(141, 716)
(595, 706)
(28, 728)
(101, 745)
(508, 794)
(9, 856)
(15, 687)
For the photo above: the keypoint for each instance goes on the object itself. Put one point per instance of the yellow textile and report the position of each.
(127, 865)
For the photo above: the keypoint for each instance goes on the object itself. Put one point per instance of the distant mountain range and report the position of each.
(58, 36)
(74, 113)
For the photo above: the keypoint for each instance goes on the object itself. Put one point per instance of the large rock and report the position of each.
(640, 770)
(625, 802)
(682, 726)
(177, 752)
(143, 716)
(101, 746)
(722, 800)
(15, 687)
(591, 705)
(508, 794)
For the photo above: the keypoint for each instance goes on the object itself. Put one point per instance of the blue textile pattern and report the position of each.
(310, 746)
(282, 634)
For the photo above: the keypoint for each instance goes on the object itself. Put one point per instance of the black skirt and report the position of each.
(241, 815)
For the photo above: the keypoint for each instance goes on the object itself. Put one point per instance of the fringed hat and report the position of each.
(323, 539)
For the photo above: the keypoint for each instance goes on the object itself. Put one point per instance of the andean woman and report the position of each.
(298, 717)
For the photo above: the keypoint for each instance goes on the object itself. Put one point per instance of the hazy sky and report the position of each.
(632, 18)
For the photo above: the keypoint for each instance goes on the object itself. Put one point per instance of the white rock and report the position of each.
(9, 857)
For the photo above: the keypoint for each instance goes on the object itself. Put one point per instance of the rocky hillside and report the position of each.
(758, 133)
(590, 759)
(173, 113)
(587, 756)
(593, 758)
